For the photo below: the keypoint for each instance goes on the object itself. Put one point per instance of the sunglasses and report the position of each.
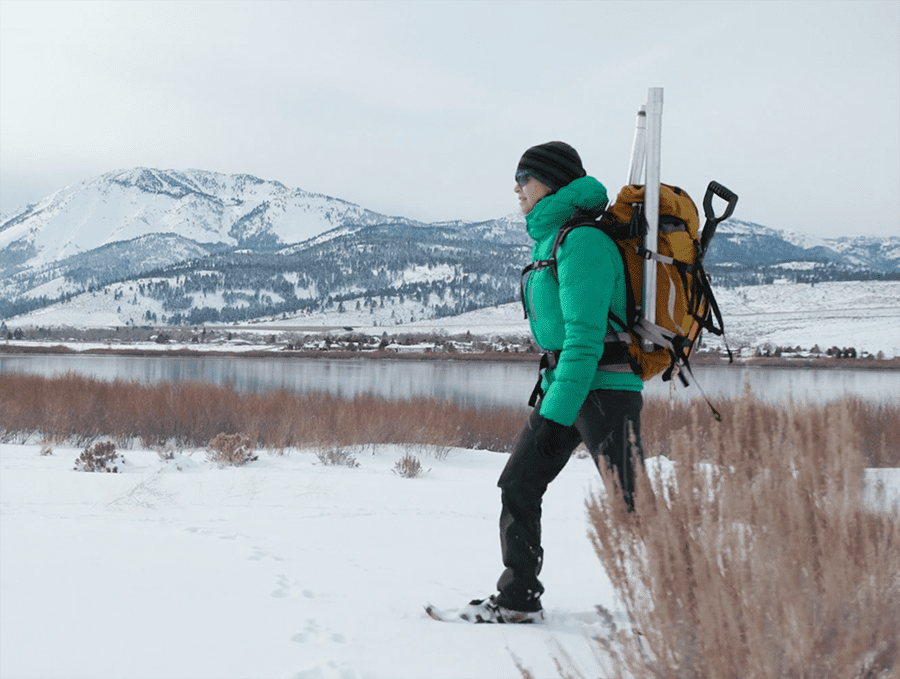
(522, 177)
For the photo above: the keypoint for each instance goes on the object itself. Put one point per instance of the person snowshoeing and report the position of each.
(583, 399)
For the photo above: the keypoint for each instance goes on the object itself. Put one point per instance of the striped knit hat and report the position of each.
(554, 164)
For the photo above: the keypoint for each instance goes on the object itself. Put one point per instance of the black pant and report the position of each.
(605, 423)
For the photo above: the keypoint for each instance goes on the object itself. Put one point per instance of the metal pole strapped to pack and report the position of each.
(638, 147)
(651, 203)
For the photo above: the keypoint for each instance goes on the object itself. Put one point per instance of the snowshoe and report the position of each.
(488, 611)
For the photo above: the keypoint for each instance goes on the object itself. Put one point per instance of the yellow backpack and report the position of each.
(685, 305)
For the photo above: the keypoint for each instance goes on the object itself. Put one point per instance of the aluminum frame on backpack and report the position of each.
(646, 152)
(638, 147)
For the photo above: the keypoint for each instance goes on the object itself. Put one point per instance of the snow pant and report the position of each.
(609, 424)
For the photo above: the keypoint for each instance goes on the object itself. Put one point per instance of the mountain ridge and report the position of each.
(235, 210)
(195, 246)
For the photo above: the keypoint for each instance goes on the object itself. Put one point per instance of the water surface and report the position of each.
(481, 383)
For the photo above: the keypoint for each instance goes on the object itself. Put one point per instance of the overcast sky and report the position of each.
(422, 109)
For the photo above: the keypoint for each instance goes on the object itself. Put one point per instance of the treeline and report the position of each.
(733, 276)
(446, 270)
(453, 298)
(444, 276)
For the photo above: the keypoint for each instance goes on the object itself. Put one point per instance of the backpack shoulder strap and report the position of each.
(617, 337)
(581, 217)
(599, 220)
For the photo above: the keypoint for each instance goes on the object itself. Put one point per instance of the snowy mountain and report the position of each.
(198, 247)
(204, 207)
(755, 247)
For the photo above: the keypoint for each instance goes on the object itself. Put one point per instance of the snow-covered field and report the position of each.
(860, 314)
(283, 568)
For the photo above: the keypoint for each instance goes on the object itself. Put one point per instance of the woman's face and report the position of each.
(530, 193)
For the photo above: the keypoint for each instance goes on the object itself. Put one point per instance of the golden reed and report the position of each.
(81, 409)
(754, 556)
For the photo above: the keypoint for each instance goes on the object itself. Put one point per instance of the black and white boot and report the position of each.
(492, 610)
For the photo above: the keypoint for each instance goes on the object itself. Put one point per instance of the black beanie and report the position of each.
(554, 164)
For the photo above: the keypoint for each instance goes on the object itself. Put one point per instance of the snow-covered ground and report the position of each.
(283, 568)
(860, 314)
(864, 315)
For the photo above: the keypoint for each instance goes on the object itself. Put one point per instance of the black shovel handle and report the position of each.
(716, 189)
(712, 221)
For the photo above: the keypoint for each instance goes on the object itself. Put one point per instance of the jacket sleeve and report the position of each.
(588, 265)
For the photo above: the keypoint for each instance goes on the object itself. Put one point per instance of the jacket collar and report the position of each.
(553, 210)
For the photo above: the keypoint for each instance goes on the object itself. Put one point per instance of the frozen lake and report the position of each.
(478, 383)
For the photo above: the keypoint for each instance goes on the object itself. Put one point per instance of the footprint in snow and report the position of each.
(314, 634)
(283, 591)
(258, 555)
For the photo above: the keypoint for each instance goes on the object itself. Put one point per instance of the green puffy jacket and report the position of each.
(572, 315)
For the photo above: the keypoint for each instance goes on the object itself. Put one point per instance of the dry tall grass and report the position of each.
(755, 558)
(81, 409)
(231, 449)
(873, 426)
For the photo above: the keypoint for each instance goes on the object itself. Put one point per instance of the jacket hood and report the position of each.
(552, 210)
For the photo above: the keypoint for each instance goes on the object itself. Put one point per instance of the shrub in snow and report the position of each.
(438, 452)
(230, 449)
(408, 467)
(336, 456)
(102, 457)
(754, 555)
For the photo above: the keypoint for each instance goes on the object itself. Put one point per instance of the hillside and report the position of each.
(864, 315)
(152, 247)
